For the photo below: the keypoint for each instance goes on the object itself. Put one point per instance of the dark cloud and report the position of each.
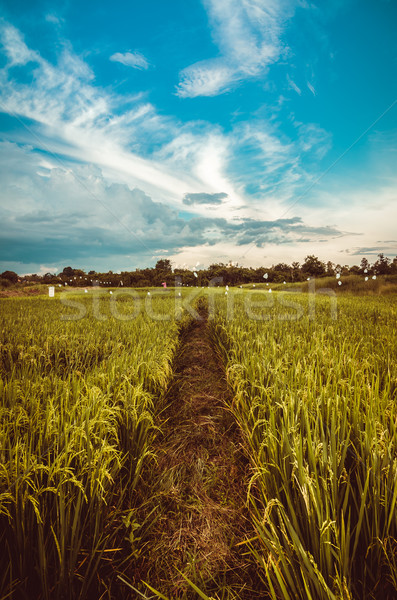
(43, 241)
(56, 220)
(373, 250)
(85, 221)
(203, 198)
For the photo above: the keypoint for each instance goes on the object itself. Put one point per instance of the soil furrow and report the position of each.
(199, 483)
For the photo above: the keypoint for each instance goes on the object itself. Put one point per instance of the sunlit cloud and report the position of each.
(136, 60)
(248, 35)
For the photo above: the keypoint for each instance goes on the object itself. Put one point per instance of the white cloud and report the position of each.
(43, 269)
(248, 34)
(248, 31)
(314, 139)
(15, 48)
(53, 19)
(205, 79)
(311, 88)
(294, 86)
(205, 154)
(131, 59)
(74, 118)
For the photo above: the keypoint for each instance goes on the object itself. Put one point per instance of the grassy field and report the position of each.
(314, 389)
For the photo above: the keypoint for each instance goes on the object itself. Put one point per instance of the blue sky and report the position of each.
(253, 131)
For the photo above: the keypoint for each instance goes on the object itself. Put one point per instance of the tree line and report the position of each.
(229, 274)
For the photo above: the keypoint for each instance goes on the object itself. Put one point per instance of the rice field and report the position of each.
(316, 399)
(314, 390)
(77, 404)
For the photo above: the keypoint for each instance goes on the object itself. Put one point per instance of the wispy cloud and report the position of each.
(248, 35)
(208, 78)
(311, 88)
(135, 60)
(16, 50)
(273, 171)
(73, 117)
(293, 85)
(313, 139)
(53, 19)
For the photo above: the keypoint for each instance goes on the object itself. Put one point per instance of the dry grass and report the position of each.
(199, 484)
(18, 292)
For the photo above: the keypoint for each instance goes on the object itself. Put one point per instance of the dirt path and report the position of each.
(200, 483)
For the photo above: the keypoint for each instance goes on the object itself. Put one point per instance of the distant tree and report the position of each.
(355, 270)
(68, 272)
(10, 276)
(296, 274)
(338, 268)
(144, 283)
(126, 278)
(330, 268)
(217, 270)
(382, 264)
(233, 274)
(345, 270)
(282, 268)
(142, 277)
(313, 266)
(5, 283)
(50, 278)
(259, 273)
(164, 264)
(279, 273)
(364, 265)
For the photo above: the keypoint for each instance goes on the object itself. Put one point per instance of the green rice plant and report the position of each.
(315, 398)
(78, 398)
